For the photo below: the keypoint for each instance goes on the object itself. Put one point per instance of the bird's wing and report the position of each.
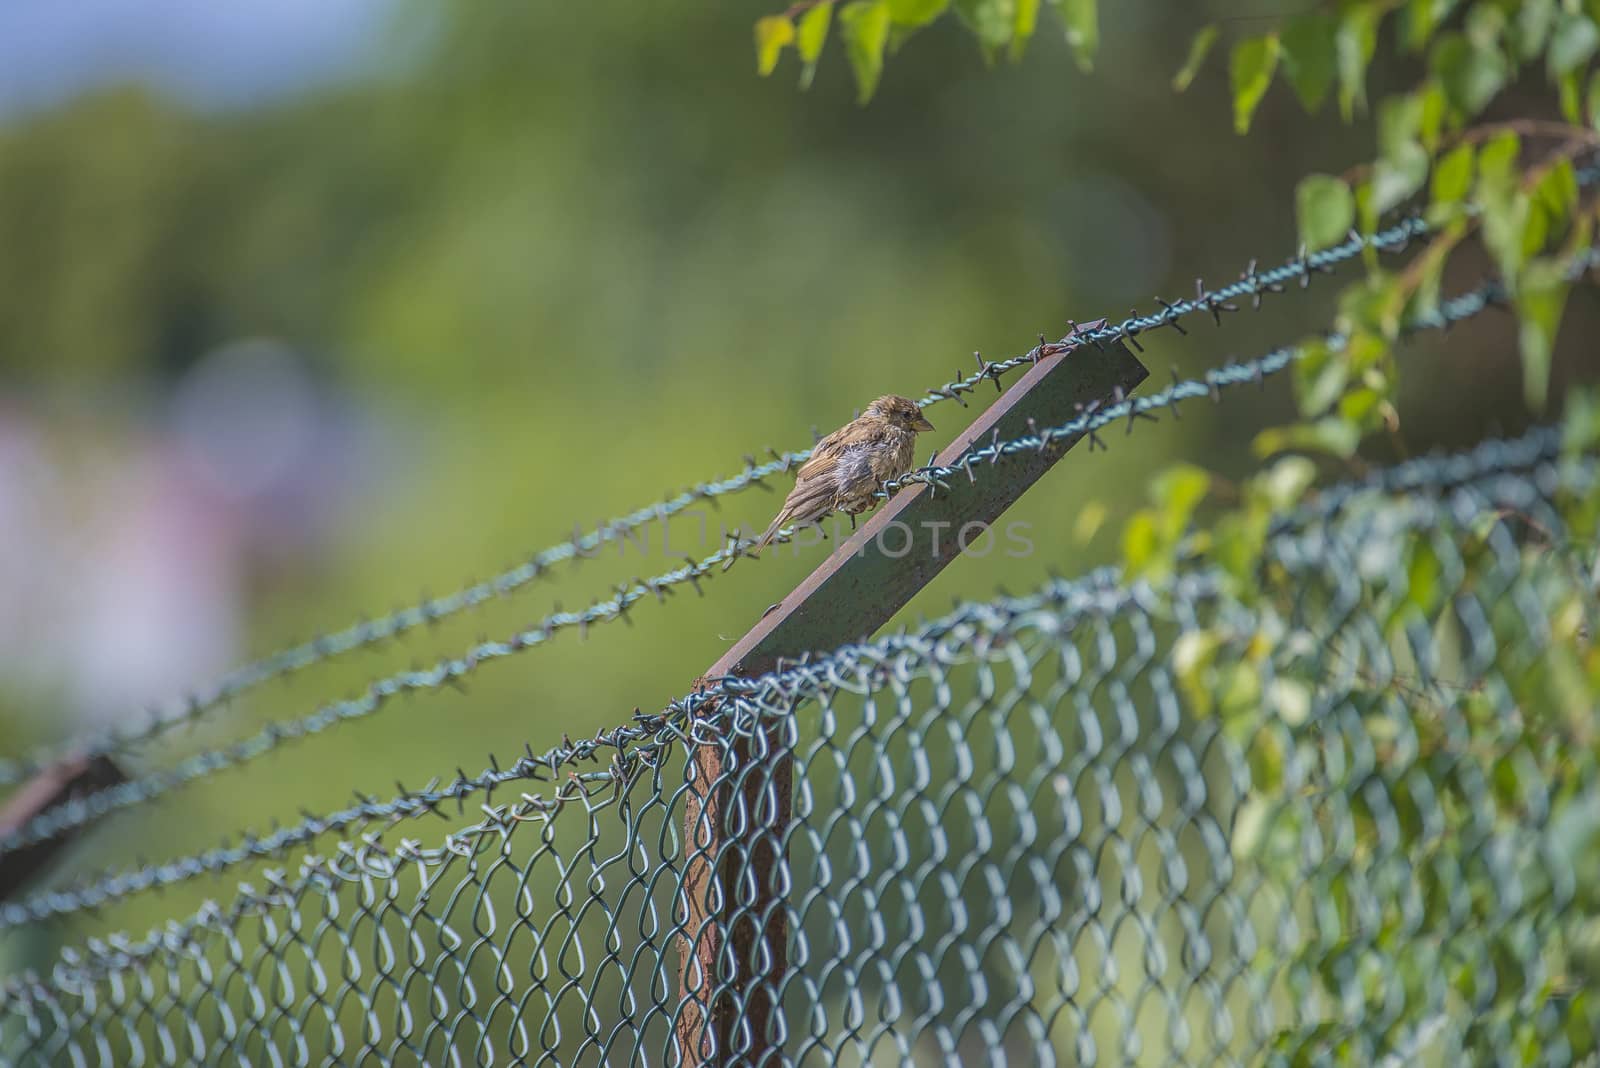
(810, 500)
(861, 434)
(823, 453)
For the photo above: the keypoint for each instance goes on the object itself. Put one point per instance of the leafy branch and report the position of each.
(1521, 190)
(872, 29)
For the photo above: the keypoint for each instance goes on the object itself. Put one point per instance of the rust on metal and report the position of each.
(736, 952)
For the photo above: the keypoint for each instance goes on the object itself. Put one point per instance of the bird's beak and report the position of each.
(922, 423)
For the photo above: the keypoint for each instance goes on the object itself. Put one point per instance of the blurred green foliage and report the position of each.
(577, 256)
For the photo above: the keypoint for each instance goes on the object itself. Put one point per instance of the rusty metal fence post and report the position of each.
(56, 785)
(734, 900)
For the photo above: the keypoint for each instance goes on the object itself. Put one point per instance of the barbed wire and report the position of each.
(1252, 284)
(79, 812)
(1431, 472)
(299, 958)
(631, 745)
(638, 743)
(733, 706)
(1100, 592)
(1096, 417)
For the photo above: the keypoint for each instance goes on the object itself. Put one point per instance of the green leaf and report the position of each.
(1291, 699)
(1372, 305)
(1422, 18)
(865, 26)
(1399, 120)
(1250, 70)
(1580, 421)
(1330, 435)
(1177, 492)
(1531, 28)
(1422, 577)
(1402, 165)
(1237, 540)
(1310, 57)
(1023, 23)
(1452, 176)
(812, 36)
(1557, 192)
(916, 12)
(1199, 48)
(1570, 89)
(1505, 208)
(1082, 21)
(1250, 824)
(1281, 486)
(1583, 1014)
(1397, 176)
(1354, 46)
(1361, 409)
(1141, 542)
(1471, 76)
(1537, 230)
(1325, 209)
(1365, 350)
(1367, 222)
(1091, 517)
(1497, 161)
(1319, 378)
(773, 34)
(1434, 107)
(1505, 224)
(1540, 301)
(1194, 653)
(1424, 300)
(1593, 98)
(1485, 25)
(990, 21)
(1573, 44)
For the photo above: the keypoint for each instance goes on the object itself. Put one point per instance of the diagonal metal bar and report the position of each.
(58, 785)
(736, 819)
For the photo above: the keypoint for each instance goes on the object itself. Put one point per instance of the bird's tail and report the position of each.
(761, 542)
(771, 532)
(808, 502)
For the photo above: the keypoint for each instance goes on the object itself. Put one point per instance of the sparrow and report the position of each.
(847, 467)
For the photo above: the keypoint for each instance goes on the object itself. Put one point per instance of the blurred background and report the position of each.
(308, 310)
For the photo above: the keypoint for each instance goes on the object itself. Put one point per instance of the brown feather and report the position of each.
(847, 467)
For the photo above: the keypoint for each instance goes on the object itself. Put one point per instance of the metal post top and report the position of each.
(860, 586)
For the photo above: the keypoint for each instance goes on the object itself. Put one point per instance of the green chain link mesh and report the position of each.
(1337, 805)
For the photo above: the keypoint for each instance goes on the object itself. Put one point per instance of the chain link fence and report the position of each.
(1336, 802)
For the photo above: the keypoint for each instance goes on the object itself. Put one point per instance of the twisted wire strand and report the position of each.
(1252, 284)
(162, 719)
(1234, 374)
(1430, 473)
(631, 744)
(1131, 409)
(1228, 376)
(640, 742)
(1098, 592)
(1059, 606)
(80, 811)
